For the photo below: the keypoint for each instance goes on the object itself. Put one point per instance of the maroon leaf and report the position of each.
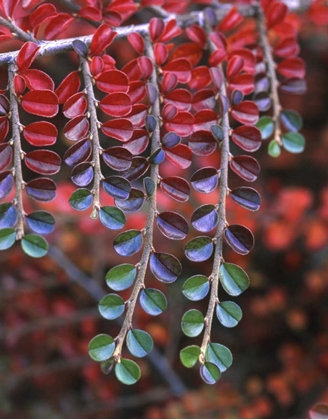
(156, 27)
(41, 133)
(180, 156)
(205, 180)
(169, 82)
(26, 55)
(176, 188)
(91, 13)
(145, 66)
(68, 87)
(293, 67)
(120, 129)
(138, 167)
(43, 162)
(96, 65)
(82, 174)
(205, 119)
(77, 128)
(117, 158)
(287, 47)
(246, 167)
(293, 86)
(243, 83)
(40, 102)
(204, 99)
(112, 81)
(247, 137)
(217, 77)
(41, 189)
(137, 115)
(101, 39)
(4, 128)
(75, 105)
(78, 153)
(4, 105)
(172, 225)
(169, 112)
(37, 79)
(19, 85)
(202, 143)
(161, 53)
(246, 112)
(239, 238)
(248, 57)
(116, 104)
(6, 154)
(138, 143)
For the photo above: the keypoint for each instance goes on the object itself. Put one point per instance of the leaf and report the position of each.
(80, 48)
(291, 120)
(246, 112)
(77, 128)
(127, 372)
(292, 67)
(205, 180)
(41, 133)
(111, 306)
(176, 188)
(120, 129)
(293, 86)
(101, 39)
(234, 279)
(274, 149)
(319, 411)
(205, 218)
(26, 55)
(34, 245)
(6, 183)
(6, 153)
(8, 215)
(128, 243)
(228, 313)
(112, 217)
(181, 67)
(37, 79)
(7, 238)
(41, 222)
(56, 25)
(157, 157)
(137, 42)
(41, 13)
(75, 105)
(180, 156)
(43, 161)
(181, 124)
(78, 153)
(133, 202)
(101, 347)
(117, 186)
(68, 87)
(152, 93)
(138, 167)
(199, 249)
(112, 81)
(149, 186)
(152, 301)
(82, 174)
(189, 356)
(81, 199)
(266, 127)
(116, 104)
(4, 127)
(139, 343)
(165, 267)
(202, 143)
(41, 189)
(246, 197)
(172, 225)
(247, 138)
(239, 238)
(180, 98)
(121, 277)
(219, 355)
(117, 158)
(192, 323)
(293, 142)
(210, 373)
(40, 102)
(196, 287)
(246, 167)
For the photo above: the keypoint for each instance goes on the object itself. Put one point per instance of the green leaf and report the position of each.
(34, 245)
(196, 287)
(228, 313)
(111, 306)
(107, 365)
(112, 217)
(219, 355)
(293, 142)
(274, 149)
(121, 277)
(101, 347)
(81, 199)
(127, 372)
(210, 373)
(189, 356)
(152, 301)
(234, 280)
(266, 126)
(7, 238)
(291, 120)
(192, 323)
(139, 343)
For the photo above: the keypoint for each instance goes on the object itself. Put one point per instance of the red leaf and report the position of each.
(19, 85)
(180, 156)
(138, 143)
(180, 98)
(146, 67)
(101, 39)
(292, 68)
(217, 57)
(189, 51)
(137, 115)
(137, 92)
(125, 8)
(6, 153)
(68, 87)
(204, 99)
(169, 112)
(161, 53)
(232, 19)
(26, 55)
(218, 40)
(242, 82)
(4, 105)
(196, 34)
(90, 12)
(77, 128)
(4, 128)
(120, 129)
(40, 133)
(40, 102)
(7, 7)
(287, 48)
(56, 25)
(205, 119)
(112, 81)
(235, 66)
(181, 68)
(41, 13)
(75, 105)
(43, 162)
(112, 18)
(37, 79)
(246, 112)
(169, 82)
(247, 137)
(176, 188)
(137, 42)
(200, 78)
(132, 70)
(275, 13)
(202, 143)
(217, 77)
(96, 65)
(156, 27)
(248, 57)
(171, 30)
(181, 124)
(116, 104)
(246, 167)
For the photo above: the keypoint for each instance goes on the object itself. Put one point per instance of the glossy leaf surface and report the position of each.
(127, 372)
(128, 243)
(196, 287)
(228, 313)
(210, 373)
(219, 355)
(239, 238)
(172, 225)
(192, 323)
(139, 343)
(189, 356)
(112, 217)
(205, 218)
(101, 347)
(199, 249)
(233, 279)
(111, 306)
(41, 222)
(152, 301)
(121, 277)
(34, 245)
(165, 267)
(246, 197)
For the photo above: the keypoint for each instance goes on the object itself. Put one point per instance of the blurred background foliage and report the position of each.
(280, 348)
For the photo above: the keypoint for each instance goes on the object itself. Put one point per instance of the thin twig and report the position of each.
(17, 31)
(18, 153)
(148, 247)
(94, 136)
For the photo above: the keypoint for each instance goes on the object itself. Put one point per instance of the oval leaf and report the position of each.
(7, 238)
(234, 279)
(196, 287)
(111, 306)
(41, 222)
(192, 323)
(34, 245)
(152, 301)
(199, 249)
(239, 238)
(205, 218)
(189, 356)
(172, 225)
(139, 343)
(165, 267)
(121, 277)
(128, 243)
(112, 217)
(127, 372)
(81, 199)
(101, 347)
(219, 355)
(246, 197)
(228, 313)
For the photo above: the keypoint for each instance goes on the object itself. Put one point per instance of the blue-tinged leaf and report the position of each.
(170, 139)
(246, 197)
(111, 306)
(133, 202)
(127, 372)
(81, 199)
(149, 186)
(205, 218)
(117, 186)
(117, 158)
(150, 122)
(82, 174)
(79, 152)
(192, 323)
(41, 189)
(217, 132)
(6, 183)
(291, 120)
(112, 217)
(176, 188)
(101, 347)
(210, 373)
(205, 180)
(34, 245)
(157, 157)
(293, 142)
(219, 355)
(128, 243)
(121, 277)
(239, 238)
(228, 313)
(165, 267)
(172, 225)
(41, 222)
(199, 249)
(266, 126)
(196, 287)
(8, 215)
(139, 343)
(7, 238)
(234, 279)
(152, 301)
